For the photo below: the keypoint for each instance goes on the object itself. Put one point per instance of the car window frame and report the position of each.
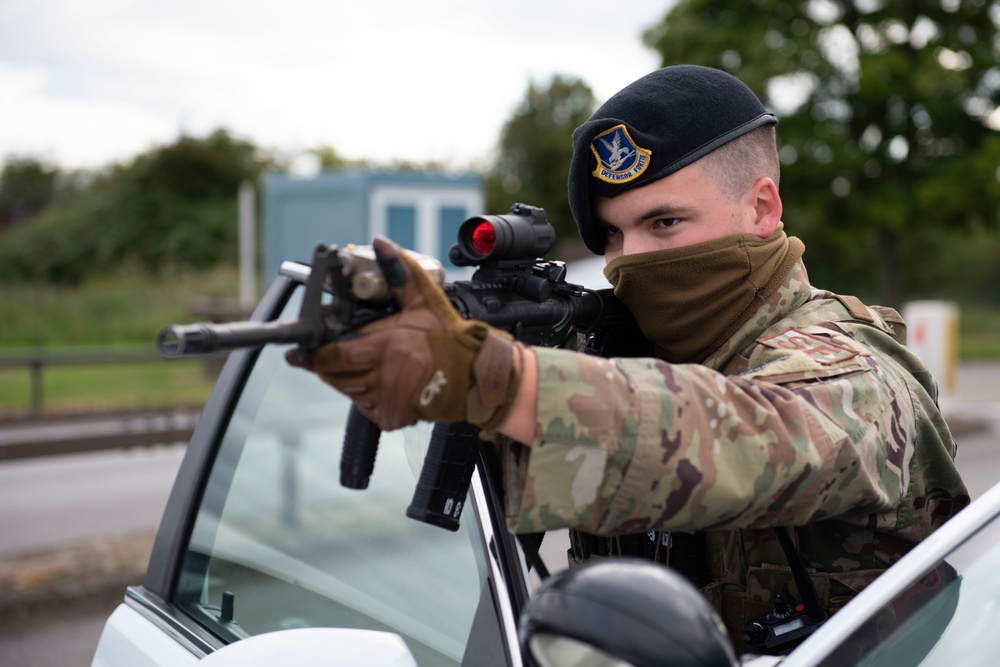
(927, 555)
(509, 579)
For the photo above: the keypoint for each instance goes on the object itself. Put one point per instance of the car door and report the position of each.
(938, 606)
(259, 536)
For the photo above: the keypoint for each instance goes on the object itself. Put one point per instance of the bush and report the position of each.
(175, 205)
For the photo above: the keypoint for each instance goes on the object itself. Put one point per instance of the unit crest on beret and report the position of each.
(619, 158)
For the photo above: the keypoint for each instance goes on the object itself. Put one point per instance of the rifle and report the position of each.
(511, 289)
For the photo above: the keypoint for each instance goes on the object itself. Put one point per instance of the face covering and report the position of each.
(691, 300)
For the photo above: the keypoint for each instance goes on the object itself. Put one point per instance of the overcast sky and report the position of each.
(86, 82)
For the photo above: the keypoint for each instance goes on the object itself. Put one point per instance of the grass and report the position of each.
(125, 308)
(107, 387)
(979, 332)
(118, 312)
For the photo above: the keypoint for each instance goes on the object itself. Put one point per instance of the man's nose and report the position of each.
(633, 244)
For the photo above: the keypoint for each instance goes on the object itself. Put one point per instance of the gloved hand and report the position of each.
(424, 362)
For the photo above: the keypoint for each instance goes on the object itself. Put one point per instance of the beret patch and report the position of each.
(619, 159)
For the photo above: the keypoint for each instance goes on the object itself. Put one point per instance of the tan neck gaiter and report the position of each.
(691, 300)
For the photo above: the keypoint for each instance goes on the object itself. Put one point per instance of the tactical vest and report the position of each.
(742, 571)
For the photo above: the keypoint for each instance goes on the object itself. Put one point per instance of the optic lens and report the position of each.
(483, 238)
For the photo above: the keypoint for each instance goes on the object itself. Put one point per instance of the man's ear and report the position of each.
(767, 208)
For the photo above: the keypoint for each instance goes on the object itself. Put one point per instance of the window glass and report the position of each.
(947, 615)
(279, 542)
(401, 225)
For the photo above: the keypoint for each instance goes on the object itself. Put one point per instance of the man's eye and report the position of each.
(611, 230)
(666, 223)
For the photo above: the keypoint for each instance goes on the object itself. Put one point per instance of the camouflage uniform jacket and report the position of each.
(812, 415)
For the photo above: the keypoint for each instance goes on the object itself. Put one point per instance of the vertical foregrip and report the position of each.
(357, 460)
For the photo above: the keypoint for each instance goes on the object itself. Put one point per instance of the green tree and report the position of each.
(177, 202)
(173, 205)
(329, 158)
(535, 148)
(893, 135)
(27, 186)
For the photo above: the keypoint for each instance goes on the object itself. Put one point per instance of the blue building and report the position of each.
(417, 210)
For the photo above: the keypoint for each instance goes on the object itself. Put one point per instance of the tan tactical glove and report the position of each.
(424, 362)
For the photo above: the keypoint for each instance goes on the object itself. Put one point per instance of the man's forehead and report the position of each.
(680, 192)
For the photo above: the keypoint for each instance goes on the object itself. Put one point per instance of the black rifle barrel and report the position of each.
(188, 339)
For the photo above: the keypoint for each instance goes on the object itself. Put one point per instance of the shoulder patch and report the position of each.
(823, 350)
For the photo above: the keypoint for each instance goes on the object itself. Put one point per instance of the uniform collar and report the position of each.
(792, 293)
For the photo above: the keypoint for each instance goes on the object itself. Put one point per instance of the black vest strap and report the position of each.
(686, 552)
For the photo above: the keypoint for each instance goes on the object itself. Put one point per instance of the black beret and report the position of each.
(653, 127)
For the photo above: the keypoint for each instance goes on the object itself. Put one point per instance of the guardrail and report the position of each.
(41, 435)
(37, 361)
(89, 434)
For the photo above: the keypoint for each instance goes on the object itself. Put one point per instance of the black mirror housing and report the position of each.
(628, 609)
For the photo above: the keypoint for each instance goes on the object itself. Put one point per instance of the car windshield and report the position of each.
(945, 618)
(278, 543)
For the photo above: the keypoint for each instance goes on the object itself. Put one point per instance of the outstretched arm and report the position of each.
(520, 422)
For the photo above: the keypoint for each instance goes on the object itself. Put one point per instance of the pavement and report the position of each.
(33, 437)
(54, 603)
(37, 581)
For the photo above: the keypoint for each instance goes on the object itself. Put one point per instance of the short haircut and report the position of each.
(738, 164)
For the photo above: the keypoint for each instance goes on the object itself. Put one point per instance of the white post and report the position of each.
(248, 231)
(932, 334)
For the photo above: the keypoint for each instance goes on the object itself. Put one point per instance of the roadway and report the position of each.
(51, 501)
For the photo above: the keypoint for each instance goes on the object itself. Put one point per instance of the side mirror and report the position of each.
(314, 647)
(621, 610)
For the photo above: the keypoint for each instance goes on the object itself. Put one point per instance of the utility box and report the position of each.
(932, 334)
(419, 211)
